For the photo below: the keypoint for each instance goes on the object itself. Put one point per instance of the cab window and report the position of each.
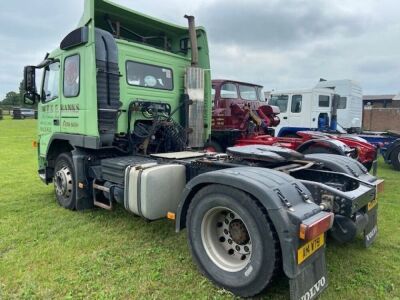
(149, 76)
(296, 103)
(342, 103)
(248, 92)
(51, 82)
(323, 101)
(260, 93)
(71, 76)
(228, 90)
(281, 101)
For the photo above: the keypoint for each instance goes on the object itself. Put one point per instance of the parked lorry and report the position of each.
(240, 116)
(124, 106)
(388, 144)
(350, 108)
(305, 109)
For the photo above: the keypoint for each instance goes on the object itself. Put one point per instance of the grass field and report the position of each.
(49, 252)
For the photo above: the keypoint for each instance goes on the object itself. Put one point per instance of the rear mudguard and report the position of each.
(342, 164)
(287, 201)
(336, 146)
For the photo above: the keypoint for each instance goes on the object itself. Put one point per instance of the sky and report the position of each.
(286, 44)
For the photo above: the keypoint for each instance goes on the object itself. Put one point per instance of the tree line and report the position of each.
(15, 99)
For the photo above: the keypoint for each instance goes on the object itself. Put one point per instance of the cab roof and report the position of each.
(220, 81)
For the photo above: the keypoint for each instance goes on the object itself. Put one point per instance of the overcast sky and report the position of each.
(278, 44)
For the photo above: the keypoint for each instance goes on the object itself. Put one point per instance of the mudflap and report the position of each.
(310, 283)
(371, 229)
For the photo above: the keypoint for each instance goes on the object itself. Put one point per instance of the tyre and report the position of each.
(231, 240)
(64, 181)
(212, 146)
(395, 158)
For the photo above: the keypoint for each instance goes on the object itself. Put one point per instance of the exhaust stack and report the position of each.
(193, 40)
(194, 90)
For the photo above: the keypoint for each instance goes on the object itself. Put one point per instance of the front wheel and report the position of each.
(231, 240)
(64, 181)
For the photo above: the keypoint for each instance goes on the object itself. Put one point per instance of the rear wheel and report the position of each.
(231, 240)
(64, 181)
(395, 158)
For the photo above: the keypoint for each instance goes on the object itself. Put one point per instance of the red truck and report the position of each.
(241, 117)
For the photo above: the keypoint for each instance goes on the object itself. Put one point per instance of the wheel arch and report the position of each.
(55, 148)
(65, 142)
(264, 185)
(336, 146)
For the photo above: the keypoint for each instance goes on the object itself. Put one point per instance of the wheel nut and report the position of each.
(246, 248)
(237, 248)
(230, 241)
(232, 215)
(226, 231)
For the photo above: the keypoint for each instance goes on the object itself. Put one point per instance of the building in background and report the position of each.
(381, 101)
(381, 112)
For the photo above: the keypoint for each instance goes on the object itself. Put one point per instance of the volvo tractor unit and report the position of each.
(124, 113)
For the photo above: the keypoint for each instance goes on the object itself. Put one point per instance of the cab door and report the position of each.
(297, 116)
(49, 107)
(71, 94)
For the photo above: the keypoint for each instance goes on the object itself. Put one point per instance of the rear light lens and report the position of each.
(315, 226)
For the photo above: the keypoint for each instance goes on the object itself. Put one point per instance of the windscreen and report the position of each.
(281, 101)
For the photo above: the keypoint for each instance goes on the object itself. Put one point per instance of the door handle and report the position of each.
(285, 118)
(56, 122)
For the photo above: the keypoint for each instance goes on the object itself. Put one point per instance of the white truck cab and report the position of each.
(350, 108)
(302, 109)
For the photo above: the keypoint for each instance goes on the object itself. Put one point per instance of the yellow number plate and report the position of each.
(308, 249)
(372, 204)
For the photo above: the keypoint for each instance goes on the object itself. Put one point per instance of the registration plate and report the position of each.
(309, 248)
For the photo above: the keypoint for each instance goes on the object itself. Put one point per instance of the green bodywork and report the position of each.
(78, 115)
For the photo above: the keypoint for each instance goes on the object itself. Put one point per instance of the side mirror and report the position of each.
(29, 79)
(31, 98)
(335, 100)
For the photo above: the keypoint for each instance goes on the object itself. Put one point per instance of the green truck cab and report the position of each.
(124, 113)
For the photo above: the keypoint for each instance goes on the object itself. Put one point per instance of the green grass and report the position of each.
(50, 252)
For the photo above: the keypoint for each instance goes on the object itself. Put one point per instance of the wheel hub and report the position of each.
(63, 182)
(226, 239)
(238, 232)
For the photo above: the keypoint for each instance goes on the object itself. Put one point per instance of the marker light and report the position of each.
(315, 225)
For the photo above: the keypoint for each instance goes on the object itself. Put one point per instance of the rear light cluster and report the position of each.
(316, 225)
